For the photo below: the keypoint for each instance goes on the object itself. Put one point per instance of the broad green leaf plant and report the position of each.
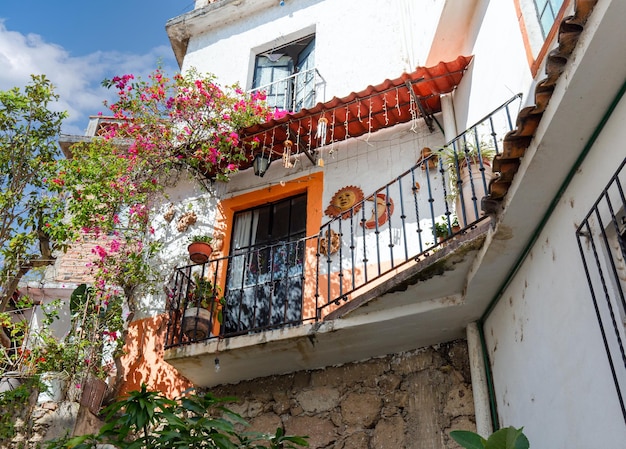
(505, 438)
(147, 420)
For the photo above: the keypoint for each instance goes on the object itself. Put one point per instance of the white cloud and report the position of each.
(77, 80)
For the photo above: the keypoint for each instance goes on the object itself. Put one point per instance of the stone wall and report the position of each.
(409, 400)
(36, 421)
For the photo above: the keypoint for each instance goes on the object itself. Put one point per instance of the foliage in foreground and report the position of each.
(161, 128)
(147, 419)
(14, 404)
(28, 155)
(506, 438)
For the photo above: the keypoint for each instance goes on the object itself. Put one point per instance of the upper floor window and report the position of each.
(539, 21)
(287, 75)
(547, 11)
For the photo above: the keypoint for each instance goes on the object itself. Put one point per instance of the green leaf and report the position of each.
(507, 438)
(469, 440)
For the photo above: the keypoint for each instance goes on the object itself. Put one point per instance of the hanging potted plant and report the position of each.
(202, 309)
(200, 248)
(469, 170)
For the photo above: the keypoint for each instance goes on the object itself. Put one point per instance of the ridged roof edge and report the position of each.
(516, 142)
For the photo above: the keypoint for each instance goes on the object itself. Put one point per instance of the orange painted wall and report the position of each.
(312, 184)
(143, 359)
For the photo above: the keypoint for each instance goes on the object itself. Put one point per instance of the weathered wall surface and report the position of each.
(409, 400)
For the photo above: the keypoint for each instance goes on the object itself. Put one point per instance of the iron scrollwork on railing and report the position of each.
(292, 282)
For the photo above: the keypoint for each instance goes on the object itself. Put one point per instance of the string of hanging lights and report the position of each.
(408, 98)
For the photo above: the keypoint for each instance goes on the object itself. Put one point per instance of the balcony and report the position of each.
(302, 90)
(387, 274)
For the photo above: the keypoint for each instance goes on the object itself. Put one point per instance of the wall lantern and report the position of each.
(260, 164)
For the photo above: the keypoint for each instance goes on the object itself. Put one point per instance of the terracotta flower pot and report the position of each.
(199, 252)
(196, 323)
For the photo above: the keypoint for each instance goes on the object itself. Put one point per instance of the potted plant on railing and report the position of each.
(202, 308)
(466, 164)
(200, 248)
(443, 231)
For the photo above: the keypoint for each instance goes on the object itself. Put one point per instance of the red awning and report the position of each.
(412, 95)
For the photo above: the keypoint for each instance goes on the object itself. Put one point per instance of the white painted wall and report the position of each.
(364, 42)
(499, 69)
(358, 42)
(551, 372)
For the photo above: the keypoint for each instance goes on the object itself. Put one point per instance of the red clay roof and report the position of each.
(374, 108)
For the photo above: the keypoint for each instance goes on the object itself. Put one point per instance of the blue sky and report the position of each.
(77, 44)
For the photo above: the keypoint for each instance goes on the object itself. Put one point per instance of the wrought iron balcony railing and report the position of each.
(299, 91)
(290, 283)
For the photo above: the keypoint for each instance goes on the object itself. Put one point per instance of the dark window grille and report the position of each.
(602, 244)
(265, 271)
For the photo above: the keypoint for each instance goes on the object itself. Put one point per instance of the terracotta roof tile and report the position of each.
(376, 107)
(517, 141)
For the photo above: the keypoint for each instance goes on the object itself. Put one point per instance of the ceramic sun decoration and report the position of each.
(345, 202)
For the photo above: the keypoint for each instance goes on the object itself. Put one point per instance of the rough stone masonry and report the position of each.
(408, 400)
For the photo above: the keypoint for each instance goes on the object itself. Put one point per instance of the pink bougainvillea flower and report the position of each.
(115, 245)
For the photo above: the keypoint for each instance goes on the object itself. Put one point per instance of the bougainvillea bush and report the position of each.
(187, 120)
(161, 128)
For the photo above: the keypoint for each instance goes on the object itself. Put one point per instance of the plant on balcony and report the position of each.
(457, 157)
(441, 226)
(204, 293)
(462, 162)
(202, 308)
(441, 229)
(200, 248)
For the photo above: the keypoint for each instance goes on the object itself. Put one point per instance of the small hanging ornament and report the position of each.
(287, 154)
(322, 127)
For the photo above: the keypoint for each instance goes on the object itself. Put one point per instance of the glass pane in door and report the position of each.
(264, 287)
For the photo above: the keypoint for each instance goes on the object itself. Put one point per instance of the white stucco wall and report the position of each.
(499, 69)
(358, 42)
(551, 372)
(364, 42)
